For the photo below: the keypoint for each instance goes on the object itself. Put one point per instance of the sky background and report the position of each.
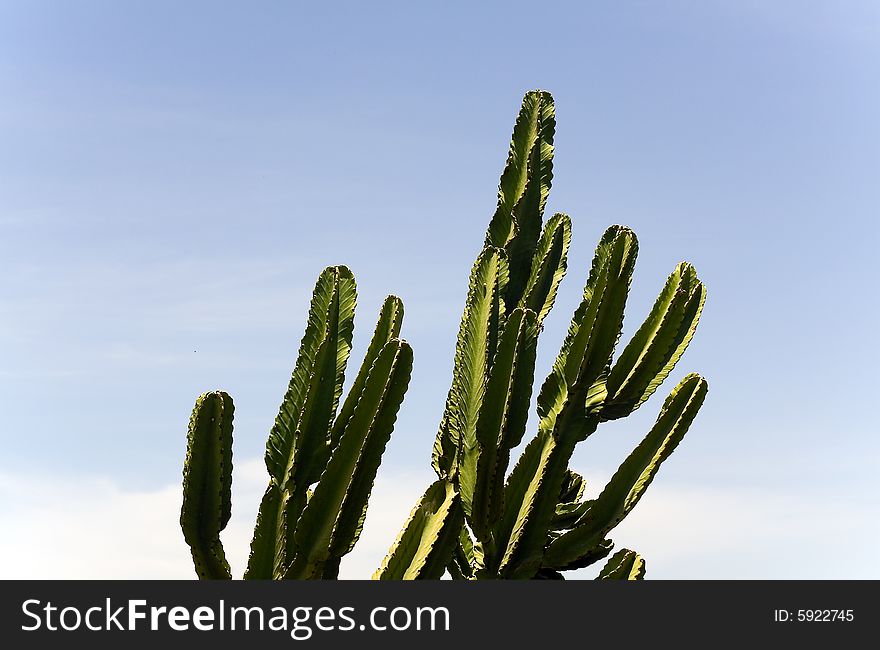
(173, 177)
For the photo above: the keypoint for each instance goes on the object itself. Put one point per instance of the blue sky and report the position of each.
(173, 179)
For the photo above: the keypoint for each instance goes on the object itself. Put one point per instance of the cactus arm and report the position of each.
(477, 342)
(528, 509)
(328, 526)
(465, 556)
(534, 486)
(502, 419)
(586, 558)
(535, 121)
(269, 527)
(548, 266)
(572, 488)
(634, 476)
(579, 369)
(298, 446)
(523, 190)
(570, 508)
(658, 344)
(331, 312)
(568, 514)
(591, 363)
(515, 230)
(693, 312)
(631, 480)
(445, 450)
(387, 328)
(623, 565)
(312, 450)
(207, 484)
(426, 543)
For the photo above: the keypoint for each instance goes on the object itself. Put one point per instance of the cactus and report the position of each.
(623, 565)
(321, 463)
(477, 521)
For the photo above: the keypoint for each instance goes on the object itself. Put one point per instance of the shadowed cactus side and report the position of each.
(207, 483)
(623, 565)
(479, 522)
(322, 459)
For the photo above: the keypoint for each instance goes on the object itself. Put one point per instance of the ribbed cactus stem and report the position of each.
(534, 523)
(321, 464)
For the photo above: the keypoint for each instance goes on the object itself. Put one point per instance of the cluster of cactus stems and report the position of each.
(479, 519)
(322, 459)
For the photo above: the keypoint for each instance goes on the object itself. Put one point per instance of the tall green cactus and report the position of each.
(322, 459)
(479, 522)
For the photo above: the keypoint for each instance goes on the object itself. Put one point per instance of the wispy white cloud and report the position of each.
(93, 528)
(87, 528)
(732, 532)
